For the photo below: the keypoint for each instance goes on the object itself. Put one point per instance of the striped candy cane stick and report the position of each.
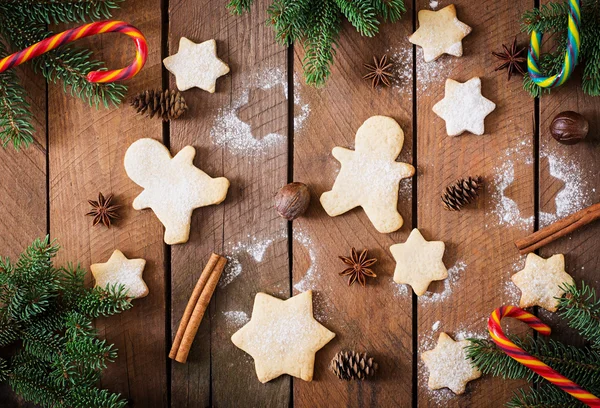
(571, 55)
(50, 43)
(529, 361)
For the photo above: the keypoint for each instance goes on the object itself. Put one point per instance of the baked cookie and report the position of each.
(196, 65)
(419, 262)
(440, 32)
(119, 270)
(282, 336)
(449, 366)
(173, 187)
(541, 280)
(464, 108)
(370, 175)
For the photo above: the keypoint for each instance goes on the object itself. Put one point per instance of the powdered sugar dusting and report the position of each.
(453, 275)
(402, 60)
(435, 326)
(308, 281)
(231, 132)
(433, 4)
(507, 210)
(253, 246)
(232, 270)
(574, 196)
(429, 73)
(236, 319)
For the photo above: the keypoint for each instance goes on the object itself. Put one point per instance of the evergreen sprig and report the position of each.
(46, 313)
(580, 307)
(23, 23)
(317, 24)
(552, 18)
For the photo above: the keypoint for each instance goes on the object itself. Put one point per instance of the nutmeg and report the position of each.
(292, 200)
(569, 128)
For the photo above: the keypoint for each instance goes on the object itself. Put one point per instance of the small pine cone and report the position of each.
(350, 365)
(461, 192)
(164, 104)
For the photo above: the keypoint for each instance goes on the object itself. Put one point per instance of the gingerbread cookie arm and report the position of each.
(142, 201)
(185, 156)
(342, 154)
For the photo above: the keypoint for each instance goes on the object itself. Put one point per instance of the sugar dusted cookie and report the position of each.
(282, 336)
(419, 262)
(119, 270)
(541, 280)
(196, 65)
(464, 108)
(449, 366)
(173, 187)
(370, 175)
(440, 32)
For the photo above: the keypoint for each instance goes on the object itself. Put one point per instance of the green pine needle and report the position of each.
(64, 11)
(316, 25)
(545, 396)
(580, 307)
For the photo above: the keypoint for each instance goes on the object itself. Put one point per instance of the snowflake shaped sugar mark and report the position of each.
(506, 209)
(464, 108)
(554, 185)
(245, 127)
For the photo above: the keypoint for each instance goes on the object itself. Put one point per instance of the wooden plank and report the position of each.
(479, 253)
(378, 318)
(569, 182)
(87, 147)
(240, 133)
(24, 198)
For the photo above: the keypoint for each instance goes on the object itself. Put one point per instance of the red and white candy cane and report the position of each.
(529, 361)
(99, 27)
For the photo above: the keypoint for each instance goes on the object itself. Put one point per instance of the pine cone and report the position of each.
(350, 365)
(461, 192)
(164, 104)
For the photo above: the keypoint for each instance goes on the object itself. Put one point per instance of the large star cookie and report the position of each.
(119, 270)
(541, 280)
(196, 65)
(419, 262)
(173, 187)
(464, 108)
(282, 336)
(440, 32)
(448, 365)
(370, 175)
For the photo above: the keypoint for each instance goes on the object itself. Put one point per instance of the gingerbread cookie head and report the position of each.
(173, 187)
(381, 137)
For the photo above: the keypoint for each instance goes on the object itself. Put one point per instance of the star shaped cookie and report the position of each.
(419, 262)
(464, 108)
(173, 186)
(440, 32)
(370, 175)
(121, 271)
(196, 65)
(449, 366)
(540, 281)
(282, 336)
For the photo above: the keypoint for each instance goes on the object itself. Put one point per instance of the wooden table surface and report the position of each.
(263, 128)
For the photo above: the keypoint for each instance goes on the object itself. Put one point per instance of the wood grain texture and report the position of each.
(87, 147)
(336, 113)
(245, 225)
(480, 253)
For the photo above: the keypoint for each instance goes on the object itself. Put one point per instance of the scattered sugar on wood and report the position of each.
(435, 326)
(232, 133)
(506, 210)
(309, 279)
(254, 247)
(236, 319)
(453, 275)
(433, 4)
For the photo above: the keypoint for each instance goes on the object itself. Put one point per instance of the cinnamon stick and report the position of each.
(187, 314)
(558, 229)
(199, 310)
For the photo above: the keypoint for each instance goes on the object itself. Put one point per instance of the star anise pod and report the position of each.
(511, 59)
(378, 72)
(103, 211)
(358, 267)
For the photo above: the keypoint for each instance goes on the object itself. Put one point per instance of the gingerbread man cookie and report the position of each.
(173, 186)
(370, 175)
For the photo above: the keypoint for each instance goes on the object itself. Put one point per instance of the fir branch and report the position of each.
(90, 397)
(361, 15)
(104, 301)
(389, 10)
(288, 18)
(581, 308)
(551, 17)
(545, 396)
(324, 28)
(64, 11)
(15, 116)
(239, 6)
(91, 352)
